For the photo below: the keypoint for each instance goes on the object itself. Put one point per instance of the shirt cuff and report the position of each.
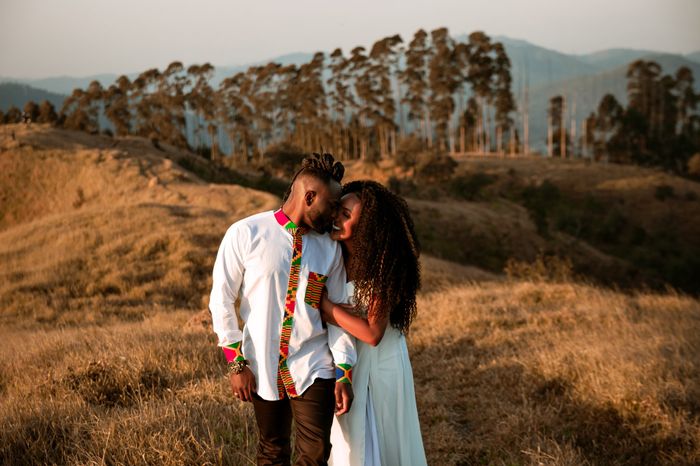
(343, 373)
(233, 352)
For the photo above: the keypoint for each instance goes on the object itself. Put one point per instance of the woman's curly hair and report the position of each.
(385, 264)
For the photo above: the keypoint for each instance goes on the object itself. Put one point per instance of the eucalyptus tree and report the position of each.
(444, 78)
(642, 90)
(342, 101)
(14, 115)
(414, 79)
(479, 74)
(608, 120)
(382, 58)
(263, 99)
(145, 103)
(236, 114)
(557, 121)
(468, 125)
(366, 100)
(504, 102)
(80, 109)
(312, 105)
(31, 110)
(171, 94)
(47, 113)
(116, 102)
(200, 100)
(687, 99)
(588, 135)
(287, 101)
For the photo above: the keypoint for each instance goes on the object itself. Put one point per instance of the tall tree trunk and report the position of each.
(499, 148)
(550, 135)
(562, 126)
(573, 127)
(429, 129)
(488, 128)
(526, 125)
(400, 107)
(479, 126)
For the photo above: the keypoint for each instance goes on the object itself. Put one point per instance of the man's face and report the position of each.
(324, 207)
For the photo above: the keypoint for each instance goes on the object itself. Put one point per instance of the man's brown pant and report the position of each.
(313, 416)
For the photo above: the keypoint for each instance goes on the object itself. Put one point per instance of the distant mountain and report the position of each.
(18, 94)
(537, 65)
(612, 58)
(587, 91)
(695, 56)
(66, 84)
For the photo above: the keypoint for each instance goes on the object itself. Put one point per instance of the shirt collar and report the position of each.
(287, 223)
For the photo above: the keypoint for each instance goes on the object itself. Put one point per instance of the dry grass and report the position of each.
(530, 372)
(108, 356)
(129, 393)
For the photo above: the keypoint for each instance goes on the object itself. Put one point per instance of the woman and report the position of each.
(381, 257)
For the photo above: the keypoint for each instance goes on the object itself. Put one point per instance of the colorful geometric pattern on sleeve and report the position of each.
(343, 373)
(233, 352)
(314, 289)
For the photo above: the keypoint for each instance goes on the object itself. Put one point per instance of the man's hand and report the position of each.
(343, 398)
(243, 385)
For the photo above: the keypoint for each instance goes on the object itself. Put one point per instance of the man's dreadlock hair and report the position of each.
(385, 266)
(324, 167)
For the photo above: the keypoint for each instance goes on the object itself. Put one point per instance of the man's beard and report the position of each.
(322, 224)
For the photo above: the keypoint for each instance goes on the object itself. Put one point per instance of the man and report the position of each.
(282, 360)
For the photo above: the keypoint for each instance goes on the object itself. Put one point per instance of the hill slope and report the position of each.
(90, 227)
(108, 354)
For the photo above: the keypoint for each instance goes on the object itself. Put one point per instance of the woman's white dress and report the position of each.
(382, 425)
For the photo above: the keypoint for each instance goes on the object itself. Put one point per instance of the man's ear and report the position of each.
(309, 197)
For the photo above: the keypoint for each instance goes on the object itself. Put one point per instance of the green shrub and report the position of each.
(469, 187)
(434, 167)
(283, 159)
(664, 192)
(539, 200)
(407, 152)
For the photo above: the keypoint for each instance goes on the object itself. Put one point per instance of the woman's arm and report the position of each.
(370, 330)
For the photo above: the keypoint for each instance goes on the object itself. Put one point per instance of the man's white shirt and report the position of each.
(253, 264)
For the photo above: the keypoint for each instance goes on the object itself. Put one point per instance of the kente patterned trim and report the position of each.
(288, 224)
(233, 352)
(314, 289)
(284, 378)
(343, 373)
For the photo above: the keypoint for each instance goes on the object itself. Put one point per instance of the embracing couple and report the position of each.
(327, 288)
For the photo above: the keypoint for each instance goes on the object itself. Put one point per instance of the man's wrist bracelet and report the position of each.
(236, 367)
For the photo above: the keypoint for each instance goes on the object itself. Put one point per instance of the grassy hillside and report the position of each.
(106, 248)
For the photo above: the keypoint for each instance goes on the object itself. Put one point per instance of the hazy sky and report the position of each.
(40, 38)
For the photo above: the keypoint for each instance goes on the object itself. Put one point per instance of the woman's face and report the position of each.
(347, 218)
